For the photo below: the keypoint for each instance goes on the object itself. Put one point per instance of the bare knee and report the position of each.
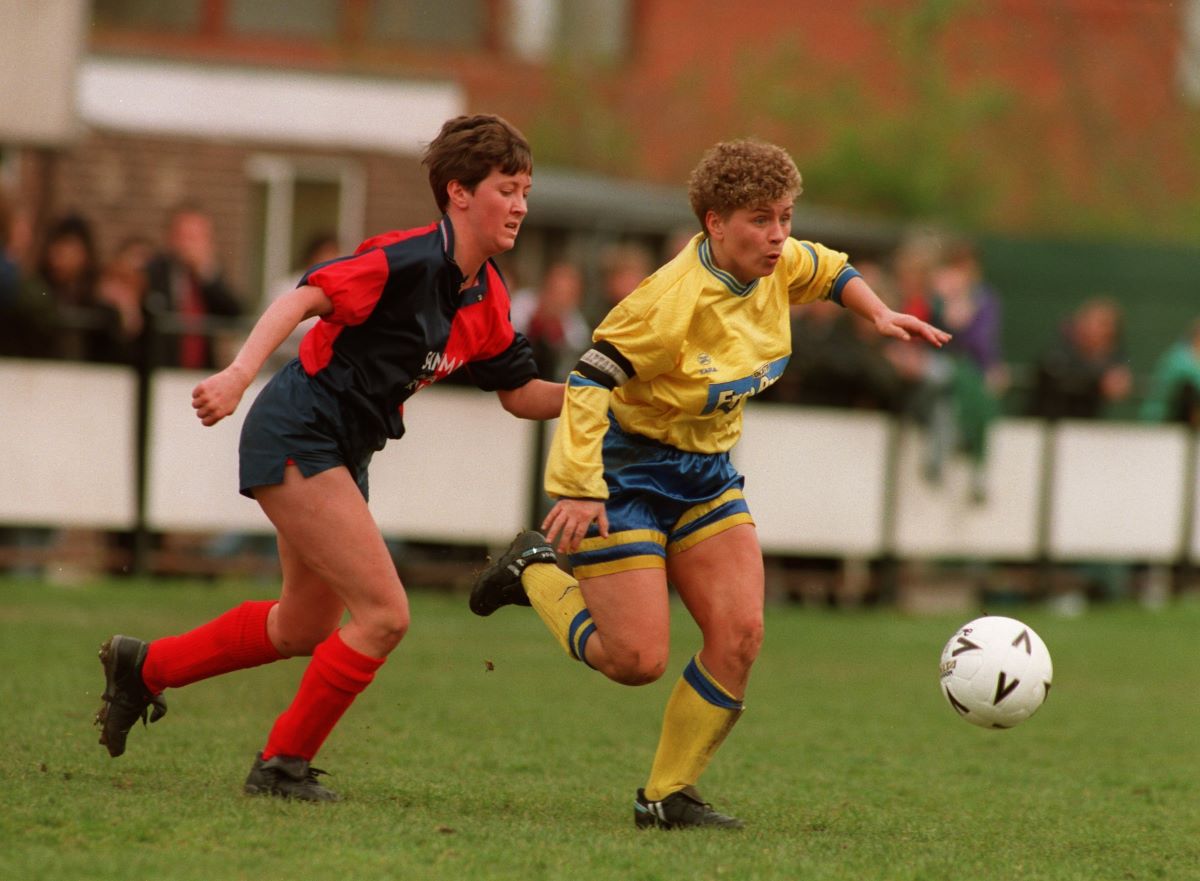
(383, 627)
(635, 666)
(741, 641)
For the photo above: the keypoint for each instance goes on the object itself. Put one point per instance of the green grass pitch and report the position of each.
(481, 752)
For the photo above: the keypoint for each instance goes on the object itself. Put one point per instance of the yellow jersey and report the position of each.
(679, 356)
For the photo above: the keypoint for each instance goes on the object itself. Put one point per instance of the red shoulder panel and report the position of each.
(483, 329)
(396, 235)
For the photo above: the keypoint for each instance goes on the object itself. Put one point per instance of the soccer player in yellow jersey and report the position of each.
(640, 464)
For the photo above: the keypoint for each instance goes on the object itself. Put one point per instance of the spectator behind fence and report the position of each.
(122, 289)
(912, 265)
(836, 362)
(622, 269)
(10, 270)
(967, 306)
(58, 313)
(1078, 378)
(1086, 370)
(1174, 394)
(15, 341)
(186, 284)
(551, 319)
(10, 281)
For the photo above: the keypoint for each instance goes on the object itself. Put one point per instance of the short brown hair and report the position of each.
(468, 148)
(741, 174)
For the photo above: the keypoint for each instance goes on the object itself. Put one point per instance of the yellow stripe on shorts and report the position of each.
(626, 537)
(695, 513)
(709, 531)
(624, 564)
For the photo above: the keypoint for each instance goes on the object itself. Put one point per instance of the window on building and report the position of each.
(178, 15)
(540, 30)
(453, 23)
(10, 171)
(1189, 52)
(291, 18)
(292, 201)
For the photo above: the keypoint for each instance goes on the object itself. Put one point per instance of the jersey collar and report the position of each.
(474, 293)
(735, 286)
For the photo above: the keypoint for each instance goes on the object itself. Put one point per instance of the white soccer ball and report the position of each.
(996, 672)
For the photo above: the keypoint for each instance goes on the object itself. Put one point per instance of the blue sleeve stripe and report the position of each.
(848, 272)
(816, 260)
(575, 380)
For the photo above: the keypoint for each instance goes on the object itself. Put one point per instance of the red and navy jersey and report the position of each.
(400, 322)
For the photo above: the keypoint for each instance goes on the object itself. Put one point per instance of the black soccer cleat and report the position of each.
(287, 777)
(684, 809)
(126, 698)
(500, 583)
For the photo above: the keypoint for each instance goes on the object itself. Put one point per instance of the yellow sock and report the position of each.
(700, 713)
(556, 597)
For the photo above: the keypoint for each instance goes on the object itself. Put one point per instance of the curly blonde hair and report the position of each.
(741, 174)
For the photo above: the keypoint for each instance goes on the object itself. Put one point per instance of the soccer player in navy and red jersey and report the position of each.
(406, 309)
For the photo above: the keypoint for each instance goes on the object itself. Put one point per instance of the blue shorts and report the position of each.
(662, 500)
(294, 420)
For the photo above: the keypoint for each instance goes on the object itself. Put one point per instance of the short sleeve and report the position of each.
(813, 270)
(353, 284)
(511, 369)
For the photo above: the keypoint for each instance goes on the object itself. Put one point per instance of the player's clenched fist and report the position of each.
(218, 396)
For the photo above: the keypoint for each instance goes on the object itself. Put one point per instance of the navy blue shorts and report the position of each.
(295, 420)
(661, 501)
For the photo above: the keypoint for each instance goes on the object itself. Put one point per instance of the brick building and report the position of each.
(282, 117)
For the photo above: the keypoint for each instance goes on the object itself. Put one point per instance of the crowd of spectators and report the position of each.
(166, 302)
(145, 304)
(64, 299)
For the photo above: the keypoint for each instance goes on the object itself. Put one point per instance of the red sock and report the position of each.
(234, 641)
(334, 678)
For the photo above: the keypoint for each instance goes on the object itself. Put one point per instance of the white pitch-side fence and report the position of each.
(819, 482)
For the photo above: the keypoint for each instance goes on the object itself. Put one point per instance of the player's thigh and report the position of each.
(631, 612)
(721, 582)
(325, 522)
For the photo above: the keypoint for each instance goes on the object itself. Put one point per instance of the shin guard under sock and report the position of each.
(336, 675)
(556, 597)
(233, 641)
(700, 713)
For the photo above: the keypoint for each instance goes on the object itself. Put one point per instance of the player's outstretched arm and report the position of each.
(218, 396)
(861, 299)
(537, 399)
